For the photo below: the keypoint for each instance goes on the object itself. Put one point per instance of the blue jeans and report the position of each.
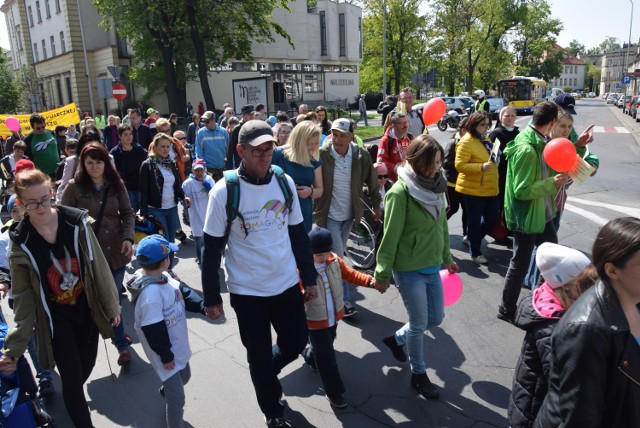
(482, 216)
(340, 231)
(424, 300)
(170, 221)
(119, 341)
(199, 243)
(134, 199)
(533, 274)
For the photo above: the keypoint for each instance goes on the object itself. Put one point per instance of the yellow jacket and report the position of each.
(470, 155)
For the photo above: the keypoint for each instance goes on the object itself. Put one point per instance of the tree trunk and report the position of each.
(201, 59)
(171, 87)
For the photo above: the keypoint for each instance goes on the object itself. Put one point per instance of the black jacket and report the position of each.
(143, 135)
(129, 167)
(505, 137)
(532, 371)
(151, 183)
(595, 367)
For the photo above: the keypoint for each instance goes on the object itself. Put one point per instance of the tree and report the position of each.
(592, 80)
(11, 99)
(576, 48)
(609, 44)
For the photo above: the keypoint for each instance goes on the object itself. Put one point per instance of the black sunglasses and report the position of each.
(380, 177)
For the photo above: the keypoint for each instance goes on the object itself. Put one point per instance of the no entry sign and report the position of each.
(119, 91)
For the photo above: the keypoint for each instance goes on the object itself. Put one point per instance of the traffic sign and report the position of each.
(119, 91)
(617, 86)
(626, 80)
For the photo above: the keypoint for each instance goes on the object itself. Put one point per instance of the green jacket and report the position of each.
(583, 152)
(362, 174)
(525, 190)
(413, 239)
(30, 310)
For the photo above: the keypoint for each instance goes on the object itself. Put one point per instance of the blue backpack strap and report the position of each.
(284, 186)
(233, 201)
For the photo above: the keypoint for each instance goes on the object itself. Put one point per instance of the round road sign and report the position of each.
(119, 91)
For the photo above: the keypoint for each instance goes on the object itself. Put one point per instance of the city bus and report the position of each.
(523, 93)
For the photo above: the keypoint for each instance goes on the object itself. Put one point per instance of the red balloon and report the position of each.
(560, 154)
(433, 111)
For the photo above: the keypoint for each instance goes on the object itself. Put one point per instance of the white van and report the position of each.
(553, 93)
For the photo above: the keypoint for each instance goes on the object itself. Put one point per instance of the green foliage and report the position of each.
(593, 74)
(12, 96)
(567, 89)
(576, 48)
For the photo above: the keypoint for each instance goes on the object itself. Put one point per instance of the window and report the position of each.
(19, 37)
(343, 38)
(63, 45)
(313, 83)
(35, 52)
(53, 45)
(575, 81)
(59, 91)
(30, 13)
(323, 33)
(565, 69)
(575, 70)
(44, 49)
(39, 12)
(57, 6)
(47, 8)
(67, 82)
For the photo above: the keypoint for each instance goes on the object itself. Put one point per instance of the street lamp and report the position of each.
(628, 45)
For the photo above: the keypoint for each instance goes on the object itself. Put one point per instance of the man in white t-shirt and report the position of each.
(267, 254)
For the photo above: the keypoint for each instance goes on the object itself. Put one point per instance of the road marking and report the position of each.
(584, 213)
(610, 129)
(633, 212)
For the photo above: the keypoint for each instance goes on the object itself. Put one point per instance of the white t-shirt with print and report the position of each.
(194, 190)
(262, 264)
(164, 302)
(168, 197)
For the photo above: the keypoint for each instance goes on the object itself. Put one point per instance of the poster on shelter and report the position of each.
(65, 115)
(249, 91)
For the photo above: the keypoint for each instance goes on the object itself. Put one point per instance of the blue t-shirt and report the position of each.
(302, 176)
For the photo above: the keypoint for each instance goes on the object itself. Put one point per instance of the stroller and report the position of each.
(146, 227)
(20, 405)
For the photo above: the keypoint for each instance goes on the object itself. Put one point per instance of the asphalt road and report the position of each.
(471, 356)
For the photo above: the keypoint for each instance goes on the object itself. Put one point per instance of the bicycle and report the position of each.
(364, 240)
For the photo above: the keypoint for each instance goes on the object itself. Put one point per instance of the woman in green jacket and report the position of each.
(414, 246)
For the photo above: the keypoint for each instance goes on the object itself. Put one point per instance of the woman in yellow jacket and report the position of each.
(478, 182)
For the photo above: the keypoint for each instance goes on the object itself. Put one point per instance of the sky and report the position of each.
(587, 21)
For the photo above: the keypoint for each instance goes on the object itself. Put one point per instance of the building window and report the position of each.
(63, 45)
(35, 52)
(67, 82)
(30, 12)
(19, 37)
(57, 6)
(53, 45)
(47, 8)
(313, 83)
(575, 81)
(59, 91)
(44, 49)
(360, 36)
(575, 70)
(323, 33)
(342, 33)
(38, 12)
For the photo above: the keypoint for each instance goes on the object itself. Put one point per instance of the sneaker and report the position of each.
(424, 386)
(337, 401)
(465, 240)
(481, 260)
(349, 310)
(124, 358)
(46, 388)
(181, 235)
(278, 423)
(396, 350)
(505, 315)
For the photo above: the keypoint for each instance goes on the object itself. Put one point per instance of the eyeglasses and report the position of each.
(381, 177)
(32, 206)
(257, 153)
(181, 138)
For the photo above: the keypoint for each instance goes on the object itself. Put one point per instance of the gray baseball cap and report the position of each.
(255, 132)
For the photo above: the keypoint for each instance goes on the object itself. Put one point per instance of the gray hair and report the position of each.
(396, 116)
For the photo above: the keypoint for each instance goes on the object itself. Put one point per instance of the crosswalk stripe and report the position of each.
(611, 129)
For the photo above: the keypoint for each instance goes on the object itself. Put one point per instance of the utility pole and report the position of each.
(384, 47)
(626, 60)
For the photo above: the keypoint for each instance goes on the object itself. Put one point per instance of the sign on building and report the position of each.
(250, 91)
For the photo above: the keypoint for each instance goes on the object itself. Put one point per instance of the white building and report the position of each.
(572, 74)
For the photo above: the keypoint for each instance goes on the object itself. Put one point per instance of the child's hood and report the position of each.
(538, 306)
(138, 282)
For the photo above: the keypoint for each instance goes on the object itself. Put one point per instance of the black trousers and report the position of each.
(256, 315)
(456, 201)
(322, 353)
(75, 348)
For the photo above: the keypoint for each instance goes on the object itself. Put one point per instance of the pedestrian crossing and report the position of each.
(610, 129)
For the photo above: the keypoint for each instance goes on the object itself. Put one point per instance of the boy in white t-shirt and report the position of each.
(161, 324)
(197, 187)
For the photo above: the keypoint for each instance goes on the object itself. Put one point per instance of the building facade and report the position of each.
(572, 74)
(613, 68)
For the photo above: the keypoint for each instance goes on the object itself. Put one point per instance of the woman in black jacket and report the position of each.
(160, 189)
(595, 348)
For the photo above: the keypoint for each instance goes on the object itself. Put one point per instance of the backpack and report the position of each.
(233, 196)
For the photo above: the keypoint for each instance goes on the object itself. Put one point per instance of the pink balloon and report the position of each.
(451, 286)
(433, 111)
(12, 123)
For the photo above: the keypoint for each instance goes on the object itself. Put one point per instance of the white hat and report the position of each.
(559, 264)
(480, 93)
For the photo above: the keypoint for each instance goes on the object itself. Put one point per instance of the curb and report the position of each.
(628, 122)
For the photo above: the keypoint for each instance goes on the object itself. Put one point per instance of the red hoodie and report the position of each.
(392, 151)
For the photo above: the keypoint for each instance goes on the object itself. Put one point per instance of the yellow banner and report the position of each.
(65, 115)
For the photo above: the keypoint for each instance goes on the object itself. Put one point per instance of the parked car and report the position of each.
(612, 98)
(627, 106)
(495, 105)
(605, 96)
(456, 103)
(591, 95)
(633, 110)
(622, 100)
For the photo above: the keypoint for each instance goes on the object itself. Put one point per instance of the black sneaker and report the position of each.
(278, 423)
(349, 310)
(505, 315)
(396, 350)
(181, 235)
(337, 401)
(46, 388)
(424, 386)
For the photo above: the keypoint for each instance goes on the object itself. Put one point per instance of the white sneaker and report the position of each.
(465, 240)
(482, 260)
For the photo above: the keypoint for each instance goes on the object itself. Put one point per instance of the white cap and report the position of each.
(479, 93)
(559, 264)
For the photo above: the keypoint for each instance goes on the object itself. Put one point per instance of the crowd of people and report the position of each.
(285, 194)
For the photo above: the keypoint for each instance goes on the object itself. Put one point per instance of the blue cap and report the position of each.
(153, 249)
(11, 203)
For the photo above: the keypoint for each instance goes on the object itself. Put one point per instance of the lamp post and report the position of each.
(628, 45)
(384, 47)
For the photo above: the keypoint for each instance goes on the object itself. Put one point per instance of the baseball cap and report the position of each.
(255, 132)
(342, 125)
(199, 163)
(247, 109)
(207, 116)
(23, 164)
(321, 241)
(559, 264)
(567, 102)
(11, 203)
(151, 110)
(153, 249)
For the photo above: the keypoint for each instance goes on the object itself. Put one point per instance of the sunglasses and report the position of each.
(181, 138)
(380, 177)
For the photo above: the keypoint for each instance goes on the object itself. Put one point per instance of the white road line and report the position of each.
(616, 129)
(584, 213)
(634, 212)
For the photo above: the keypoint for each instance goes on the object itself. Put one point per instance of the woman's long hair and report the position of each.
(474, 120)
(421, 154)
(616, 243)
(97, 151)
(296, 149)
(325, 125)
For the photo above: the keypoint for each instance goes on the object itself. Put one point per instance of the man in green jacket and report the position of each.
(529, 202)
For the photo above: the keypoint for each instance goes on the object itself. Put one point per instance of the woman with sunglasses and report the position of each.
(62, 287)
(478, 182)
(97, 187)
(161, 189)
